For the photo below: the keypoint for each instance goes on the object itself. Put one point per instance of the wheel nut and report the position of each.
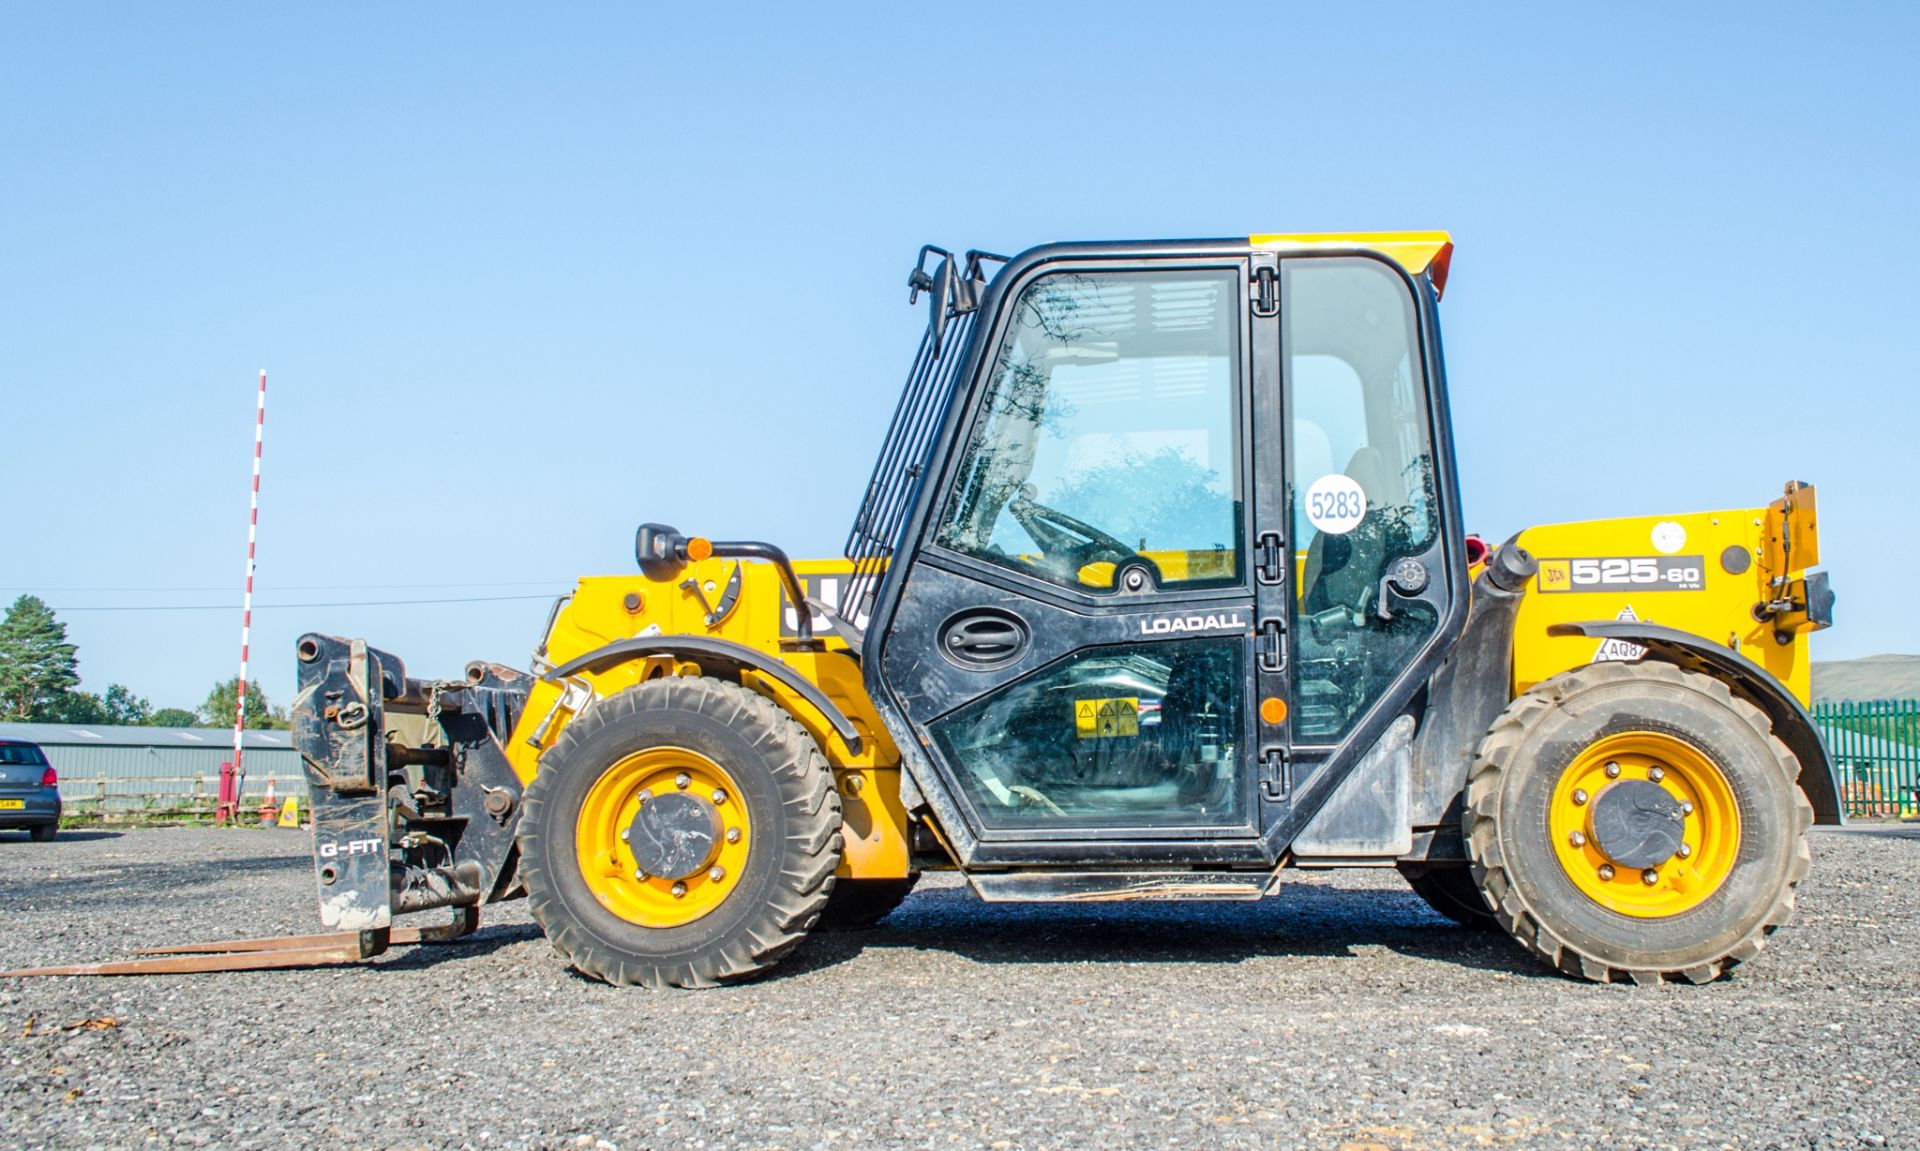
(717, 874)
(682, 781)
(1686, 808)
(639, 874)
(679, 889)
(625, 834)
(733, 835)
(719, 796)
(644, 796)
(1649, 877)
(1606, 871)
(1577, 839)
(1579, 795)
(1686, 850)
(1613, 771)
(1656, 774)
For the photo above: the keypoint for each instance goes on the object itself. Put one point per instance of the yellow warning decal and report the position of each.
(1106, 718)
(290, 814)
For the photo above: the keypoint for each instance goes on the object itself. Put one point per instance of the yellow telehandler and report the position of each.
(1159, 588)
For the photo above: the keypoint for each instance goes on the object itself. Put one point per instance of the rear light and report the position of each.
(49, 778)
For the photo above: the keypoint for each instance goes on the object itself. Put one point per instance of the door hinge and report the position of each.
(1269, 563)
(1271, 645)
(1276, 775)
(1265, 292)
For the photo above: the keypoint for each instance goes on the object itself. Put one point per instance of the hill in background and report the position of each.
(1873, 677)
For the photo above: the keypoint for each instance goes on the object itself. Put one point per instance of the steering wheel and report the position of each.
(1055, 532)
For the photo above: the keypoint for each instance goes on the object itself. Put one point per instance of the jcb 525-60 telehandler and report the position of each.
(1159, 588)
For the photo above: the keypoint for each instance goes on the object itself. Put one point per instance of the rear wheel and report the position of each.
(1449, 889)
(1636, 820)
(44, 833)
(680, 833)
(861, 903)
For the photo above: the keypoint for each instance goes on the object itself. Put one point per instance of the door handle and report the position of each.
(984, 639)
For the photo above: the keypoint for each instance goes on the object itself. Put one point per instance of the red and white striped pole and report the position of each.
(246, 600)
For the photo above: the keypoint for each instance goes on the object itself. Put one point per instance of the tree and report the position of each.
(76, 707)
(38, 667)
(124, 707)
(174, 717)
(224, 698)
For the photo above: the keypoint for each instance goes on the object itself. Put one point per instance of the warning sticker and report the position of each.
(1621, 650)
(1106, 718)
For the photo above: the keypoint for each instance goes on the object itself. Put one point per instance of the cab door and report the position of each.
(1068, 641)
(1372, 524)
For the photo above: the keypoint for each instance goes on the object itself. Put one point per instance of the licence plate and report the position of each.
(12, 804)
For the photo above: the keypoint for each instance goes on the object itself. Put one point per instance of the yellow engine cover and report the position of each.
(1702, 572)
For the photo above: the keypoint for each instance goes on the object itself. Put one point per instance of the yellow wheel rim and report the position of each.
(1710, 836)
(607, 863)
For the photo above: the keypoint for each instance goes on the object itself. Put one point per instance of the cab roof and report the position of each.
(1417, 252)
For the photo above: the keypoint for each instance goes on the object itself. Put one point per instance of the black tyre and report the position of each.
(860, 903)
(717, 790)
(1449, 889)
(44, 832)
(1633, 820)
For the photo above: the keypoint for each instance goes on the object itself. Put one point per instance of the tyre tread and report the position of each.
(1486, 778)
(811, 849)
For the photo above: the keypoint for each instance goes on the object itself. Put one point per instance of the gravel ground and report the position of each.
(1341, 1015)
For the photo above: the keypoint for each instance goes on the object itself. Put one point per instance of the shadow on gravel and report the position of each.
(481, 942)
(1308, 921)
(69, 836)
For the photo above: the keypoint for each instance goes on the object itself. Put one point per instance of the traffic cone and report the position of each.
(290, 814)
(268, 812)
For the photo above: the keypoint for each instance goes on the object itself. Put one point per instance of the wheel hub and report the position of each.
(675, 835)
(1637, 823)
(1644, 823)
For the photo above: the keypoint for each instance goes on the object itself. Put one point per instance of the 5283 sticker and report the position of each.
(1623, 573)
(1336, 504)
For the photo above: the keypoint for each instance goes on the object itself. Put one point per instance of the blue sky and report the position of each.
(523, 277)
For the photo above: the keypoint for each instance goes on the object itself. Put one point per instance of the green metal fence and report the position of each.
(1876, 750)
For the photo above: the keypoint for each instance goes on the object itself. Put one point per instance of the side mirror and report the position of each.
(660, 551)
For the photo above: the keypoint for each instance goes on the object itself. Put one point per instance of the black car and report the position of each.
(29, 790)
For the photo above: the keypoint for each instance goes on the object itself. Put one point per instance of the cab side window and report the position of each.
(1110, 433)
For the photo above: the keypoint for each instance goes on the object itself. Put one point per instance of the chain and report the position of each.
(433, 712)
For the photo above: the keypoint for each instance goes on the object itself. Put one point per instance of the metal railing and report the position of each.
(901, 465)
(1876, 750)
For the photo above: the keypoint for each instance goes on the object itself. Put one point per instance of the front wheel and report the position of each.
(682, 833)
(1636, 820)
